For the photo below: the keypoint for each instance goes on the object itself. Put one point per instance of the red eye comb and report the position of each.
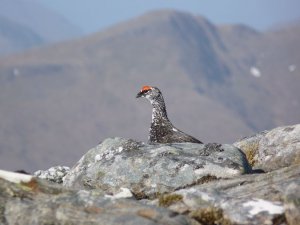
(146, 88)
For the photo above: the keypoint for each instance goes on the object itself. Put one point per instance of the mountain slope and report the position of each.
(59, 101)
(15, 37)
(24, 24)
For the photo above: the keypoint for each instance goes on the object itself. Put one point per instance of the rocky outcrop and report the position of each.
(37, 202)
(248, 199)
(151, 170)
(122, 181)
(274, 149)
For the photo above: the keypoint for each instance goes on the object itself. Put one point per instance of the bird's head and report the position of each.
(151, 93)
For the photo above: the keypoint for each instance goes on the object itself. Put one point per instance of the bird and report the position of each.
(161, 129)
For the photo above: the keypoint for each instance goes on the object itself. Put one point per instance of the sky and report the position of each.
(95, 15)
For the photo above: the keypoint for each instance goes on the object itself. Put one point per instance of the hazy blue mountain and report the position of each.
(16, 37)
(24, 24)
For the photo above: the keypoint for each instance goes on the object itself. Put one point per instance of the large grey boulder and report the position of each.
(274, 149)
(149, 170)
(34, 202)
(292, 202)
(270, 198)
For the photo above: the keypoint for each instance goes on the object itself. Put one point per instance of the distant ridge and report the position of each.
(15, 37)
(24, 24)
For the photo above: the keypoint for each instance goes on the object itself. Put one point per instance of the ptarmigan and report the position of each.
(162, 130)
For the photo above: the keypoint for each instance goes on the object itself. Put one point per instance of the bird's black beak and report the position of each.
(140, 94)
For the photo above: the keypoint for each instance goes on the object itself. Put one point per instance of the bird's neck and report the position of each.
(159, 112)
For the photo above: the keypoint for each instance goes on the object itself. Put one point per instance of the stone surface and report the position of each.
(54, 174)
(273, 149)
(38, 202)
(122, 181)
(292, 203)
(149, 170)
(250, 146)
(248, 199)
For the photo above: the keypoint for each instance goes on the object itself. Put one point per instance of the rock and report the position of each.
(15, 177)
(122, 181)
(149, 170)
(54, 174)
(124, 193)
(40, 202)
(273, 149)
(248, 199)
(250, 146)
(292, 203)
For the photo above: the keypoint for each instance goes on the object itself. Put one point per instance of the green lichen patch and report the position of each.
(206, 179)
(250, 149)
(138, 192)
(167, 200)
(296, 159)
(209, 216)
(202, 180)
(100, 175)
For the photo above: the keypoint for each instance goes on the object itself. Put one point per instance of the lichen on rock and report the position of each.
(151, 169)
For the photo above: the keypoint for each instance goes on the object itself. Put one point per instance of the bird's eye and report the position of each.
(145, 91)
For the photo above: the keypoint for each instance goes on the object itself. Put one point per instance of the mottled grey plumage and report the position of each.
(162, 130)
